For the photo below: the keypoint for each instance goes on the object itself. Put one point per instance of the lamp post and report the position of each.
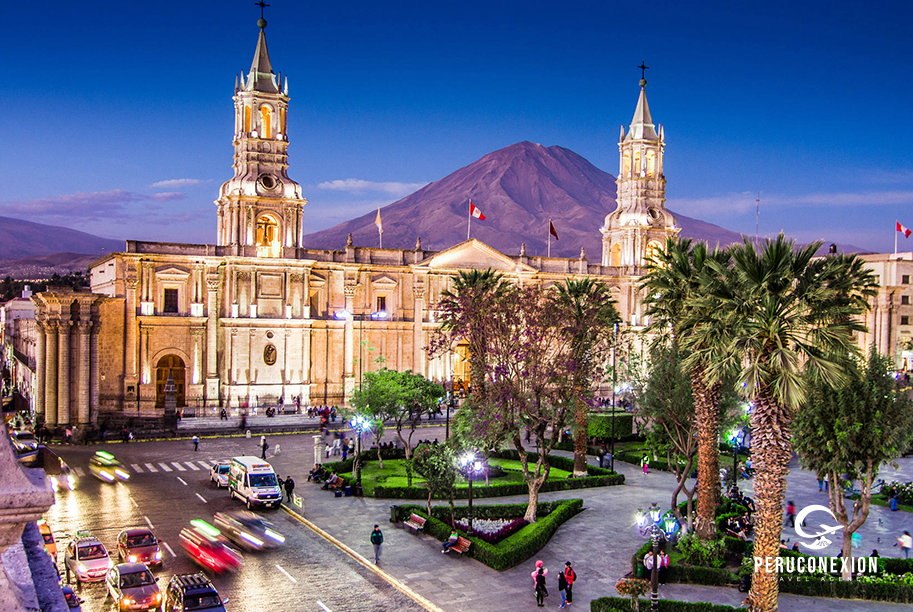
(658, 528)
(614, 379)
(359, 424)
(470, 464)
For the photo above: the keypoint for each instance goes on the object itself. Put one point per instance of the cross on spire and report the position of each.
(262, 6)
(643, 66)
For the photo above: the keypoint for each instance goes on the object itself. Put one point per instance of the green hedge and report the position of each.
(623, 604)
(509, 552)
(689, 574)
(600, 425)
(897, 593)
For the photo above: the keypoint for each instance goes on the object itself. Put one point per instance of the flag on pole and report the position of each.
(552, 230)
(380, 227)
(903, 230)
(475, 212)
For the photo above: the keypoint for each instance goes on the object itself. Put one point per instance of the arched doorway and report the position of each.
(176, 365)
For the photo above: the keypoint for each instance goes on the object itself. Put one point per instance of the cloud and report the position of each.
(735, 204)
(82, 206)
(359, 186)
(185, 182)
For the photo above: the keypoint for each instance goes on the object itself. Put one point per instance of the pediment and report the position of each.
(172, 273)
(384, 282)
(473, 255)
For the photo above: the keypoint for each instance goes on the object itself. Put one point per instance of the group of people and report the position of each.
(662, 564)
(739, 526)
(566, 580)
(287, 485)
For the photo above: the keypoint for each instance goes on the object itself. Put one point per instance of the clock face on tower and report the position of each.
(268, 182)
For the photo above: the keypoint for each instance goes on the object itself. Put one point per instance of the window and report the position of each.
(382, 303)
(905, 279)
(905, 299)
(904, 320)
(171, 301)
(266, 122)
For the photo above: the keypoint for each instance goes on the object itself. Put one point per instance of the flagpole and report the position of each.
(896, 223)
(549, 237)
(469, 220)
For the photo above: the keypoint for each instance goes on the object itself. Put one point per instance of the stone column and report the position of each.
(50, 377)
(83, 379)
(63, 374)
(349, 341)
(197, 336)
(418, 365)
(40, 366)
(93, 373)
(130, 328)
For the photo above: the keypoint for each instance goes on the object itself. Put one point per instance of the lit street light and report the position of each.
(471, 466)
(360, 424)
(658, 527)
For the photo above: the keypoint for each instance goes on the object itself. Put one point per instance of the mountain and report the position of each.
(19, 239)
(518, 188)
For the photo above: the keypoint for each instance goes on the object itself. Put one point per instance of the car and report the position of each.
(192, 593)
(59, 474)
(87, 559)
(248, 530)
(219, 473)
(50, 544)
(105, 467)
(206, 545)
(23, 441)
(139, 546)
(133, 587)
(74, 601)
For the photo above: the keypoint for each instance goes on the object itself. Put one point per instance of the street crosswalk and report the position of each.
(161, 466)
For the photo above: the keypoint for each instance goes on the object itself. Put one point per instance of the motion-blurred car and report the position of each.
(205, 544)
(139, 546)
(87, 559)
(74, 601)
(59, 474)
(105, 467)
(248, 530)
(192, 593)
(23, 441)
(133, 587)
(50, 544)
(219, 473)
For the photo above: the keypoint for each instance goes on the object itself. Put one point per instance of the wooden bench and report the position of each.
(415, 523)
(461, 546)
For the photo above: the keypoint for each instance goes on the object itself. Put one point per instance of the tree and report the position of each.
(854, 430)
(668, 406)
(672, 284)
(588, 312)
(782, 313)
(436, 463)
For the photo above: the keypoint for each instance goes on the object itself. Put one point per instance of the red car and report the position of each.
(205, 544)
(139, 546)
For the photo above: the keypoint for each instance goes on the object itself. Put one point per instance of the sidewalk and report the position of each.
(598, 542)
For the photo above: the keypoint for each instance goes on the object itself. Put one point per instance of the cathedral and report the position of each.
(259, 318)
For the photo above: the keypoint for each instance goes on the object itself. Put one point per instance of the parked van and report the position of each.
(253, 480)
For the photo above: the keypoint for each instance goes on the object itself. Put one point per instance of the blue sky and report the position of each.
(118, 115)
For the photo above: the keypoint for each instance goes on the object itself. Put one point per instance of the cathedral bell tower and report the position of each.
(260, 207)
(640, 223)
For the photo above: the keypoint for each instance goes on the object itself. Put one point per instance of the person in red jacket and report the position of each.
(570, 575)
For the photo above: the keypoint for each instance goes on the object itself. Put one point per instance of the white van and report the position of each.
(253, 480)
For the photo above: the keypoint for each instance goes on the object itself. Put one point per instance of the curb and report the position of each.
(396, 583)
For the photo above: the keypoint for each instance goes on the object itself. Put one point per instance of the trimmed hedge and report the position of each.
(815, 587)
(600, 425)
(623, 604)
(509, 552)
(688, 574)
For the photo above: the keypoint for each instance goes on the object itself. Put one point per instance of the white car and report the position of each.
(219, 473)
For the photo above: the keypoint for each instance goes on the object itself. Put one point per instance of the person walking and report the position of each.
(196, 443)
(790, 514)
(377, 539)
(571, 576)
(289, 487)
(539, 575)
(645, 464)
(905, 542)
(562, 589)
(263, 446)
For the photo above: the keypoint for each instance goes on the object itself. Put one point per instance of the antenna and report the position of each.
(757, 216)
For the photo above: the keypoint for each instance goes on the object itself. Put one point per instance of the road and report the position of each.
(169, 486)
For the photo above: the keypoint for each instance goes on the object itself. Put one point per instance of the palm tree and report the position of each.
(791, 318)
(463, 316)
(673, 283)
(589, 315)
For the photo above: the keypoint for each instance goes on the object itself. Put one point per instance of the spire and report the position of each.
(642, 124)
(261, 77)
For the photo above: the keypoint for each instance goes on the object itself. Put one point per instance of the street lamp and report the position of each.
(360, 424)
(658, 527)
(614, 379)
(471, 465)
(345, 314)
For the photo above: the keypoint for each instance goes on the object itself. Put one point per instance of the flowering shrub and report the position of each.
(492, 530)
(902, 491)
(633, 588)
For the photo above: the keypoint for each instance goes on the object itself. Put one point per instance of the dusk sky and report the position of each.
(119, 118)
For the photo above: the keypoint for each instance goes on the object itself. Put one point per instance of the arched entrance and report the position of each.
(176, 365)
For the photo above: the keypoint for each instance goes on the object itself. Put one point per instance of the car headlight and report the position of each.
(54, 484)
(122, 474)
(110, 563)
(71, 482)
(82, 569)
(127, 600)
(275, 535)
(253, 540)
(158, 555)
(132, 558)
(106, 476)
(158, 597)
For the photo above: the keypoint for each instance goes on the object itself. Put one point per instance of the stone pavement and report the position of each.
(599, 542)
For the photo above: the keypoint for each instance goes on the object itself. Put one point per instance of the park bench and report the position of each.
(461, 546)
(415, 523)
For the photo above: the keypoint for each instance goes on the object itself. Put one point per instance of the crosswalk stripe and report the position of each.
(204, 464)
(136, 467)
(79, 472)
(192, 466)
(178, 466)
(165, 467)
(151, 467)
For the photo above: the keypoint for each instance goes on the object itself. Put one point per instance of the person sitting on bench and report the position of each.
(454, 536)
(333, 482)
(318, 473)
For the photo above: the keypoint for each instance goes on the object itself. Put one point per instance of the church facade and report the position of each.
(259, 317)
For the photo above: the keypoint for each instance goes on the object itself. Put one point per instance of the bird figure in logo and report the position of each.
(820, 539)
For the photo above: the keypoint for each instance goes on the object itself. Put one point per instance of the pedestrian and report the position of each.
(345, 451)
(600, 455)
(539, 575)
(263, 446)
(281, 484)
(562, 589)
(377, 539)
(289, 487)
(645, 464)
(223, 416)
(196, 443)
(820, 482)
(893, 498)
(663, 561)
(790, 514)
(905, 542)
(571, 577)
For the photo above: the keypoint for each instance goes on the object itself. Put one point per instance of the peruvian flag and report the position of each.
(475, 212)
(900, 228)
